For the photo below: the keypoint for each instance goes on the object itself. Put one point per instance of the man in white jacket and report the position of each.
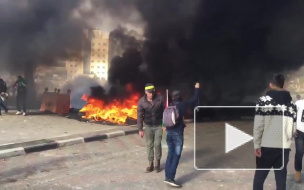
(299, 141)
(273, 133)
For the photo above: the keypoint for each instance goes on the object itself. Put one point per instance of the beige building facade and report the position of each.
(74, 68)
(99, 54)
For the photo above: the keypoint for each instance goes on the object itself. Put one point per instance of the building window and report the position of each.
(75, 65)
(93, 44)
(92, 66)
(104, 44)
(99, 61)
(103, 67)
(98, 67)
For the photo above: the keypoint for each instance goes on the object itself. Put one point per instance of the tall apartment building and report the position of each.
(74, 67)
(94, 56)
(99, 64)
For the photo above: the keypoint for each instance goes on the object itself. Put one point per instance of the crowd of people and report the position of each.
(21, 92)
(272, 137)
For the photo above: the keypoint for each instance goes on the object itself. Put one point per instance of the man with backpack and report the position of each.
(150, 111)
(173, 119)
(3, 89)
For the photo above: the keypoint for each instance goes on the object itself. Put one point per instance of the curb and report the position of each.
(48, 144)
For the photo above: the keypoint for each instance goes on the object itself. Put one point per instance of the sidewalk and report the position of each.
(40, 129)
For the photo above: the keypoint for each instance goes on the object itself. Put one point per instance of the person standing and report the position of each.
(3, 89)
(298, 97)
(175, 135)
(21, 87)
(299, 140)
(273, 137)
(149, 115)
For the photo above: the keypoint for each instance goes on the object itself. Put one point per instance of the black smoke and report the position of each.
(126, 58)
(231, 47)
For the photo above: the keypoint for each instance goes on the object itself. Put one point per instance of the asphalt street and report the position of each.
(119, 163)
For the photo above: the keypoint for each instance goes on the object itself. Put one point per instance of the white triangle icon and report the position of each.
(235, 138)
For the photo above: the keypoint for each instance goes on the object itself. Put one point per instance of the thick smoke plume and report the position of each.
(45, 32)
(231, 47)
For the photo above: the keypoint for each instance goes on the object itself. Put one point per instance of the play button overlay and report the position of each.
(235, 138)
(223, 137)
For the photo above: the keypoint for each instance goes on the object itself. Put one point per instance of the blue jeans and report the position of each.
(2, 105)
(299, 141)
(175, 141)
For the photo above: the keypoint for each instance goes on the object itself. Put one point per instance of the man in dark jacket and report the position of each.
(3, 89)
(175, 135)
(150, 111)
(21, 86)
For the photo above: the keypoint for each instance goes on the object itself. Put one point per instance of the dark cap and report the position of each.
(175, 95)
(149, 87)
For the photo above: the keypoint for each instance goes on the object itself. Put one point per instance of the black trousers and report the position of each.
(21, 101)
(271, 158)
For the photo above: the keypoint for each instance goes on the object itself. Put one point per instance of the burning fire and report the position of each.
(116, 112)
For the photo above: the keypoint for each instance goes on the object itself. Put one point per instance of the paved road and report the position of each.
(118, 163)
(37, 126)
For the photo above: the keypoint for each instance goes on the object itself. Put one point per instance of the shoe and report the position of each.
(172, 183)
(18, 113)
(24, 114)
(150, 168)
(157, 167)
(298, 176)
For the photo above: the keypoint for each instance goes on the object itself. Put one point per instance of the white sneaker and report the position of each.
(24, 114)
(18, 113)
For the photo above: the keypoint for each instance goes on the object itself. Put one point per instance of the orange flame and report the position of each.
(84, 97)
(116, 112)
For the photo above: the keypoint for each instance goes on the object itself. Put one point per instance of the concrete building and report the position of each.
(94, 56)
(99, 54)
(74, 67)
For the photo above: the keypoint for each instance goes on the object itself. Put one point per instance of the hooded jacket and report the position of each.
(182, 108)
(272, 128)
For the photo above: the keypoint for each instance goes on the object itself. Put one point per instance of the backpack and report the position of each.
(170, 116)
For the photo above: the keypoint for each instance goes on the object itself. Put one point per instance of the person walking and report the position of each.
(3, 94)
(21, 87)
(299, 140)
(273, 137)
(149, 115)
